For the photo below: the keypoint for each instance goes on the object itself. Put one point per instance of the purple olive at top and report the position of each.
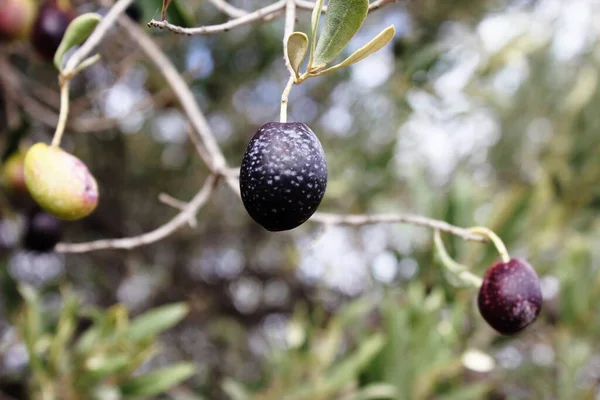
(135, 12)
(283, 176)
(16, 19)
(50, 26)
(510, 297)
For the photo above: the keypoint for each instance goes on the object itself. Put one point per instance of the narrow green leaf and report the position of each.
(471, 392)
(316, 17)
(354, 363)
(377, 391)
(77, 32)
(235, 390)
(64, 333)
(297, 47)
(344, 372)
(138, 356)
(92, 335)
(102, 366)
(106, 329)
(343, 19)
(30, 325)
(156, 321)
(376, 44)
(157, 381)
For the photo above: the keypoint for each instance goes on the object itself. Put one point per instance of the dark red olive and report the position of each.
(134, 11)
(50, 26)
(42, 231)
(283, 176)
(510, 298)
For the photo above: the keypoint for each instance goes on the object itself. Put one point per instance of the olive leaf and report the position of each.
(343, 19)
(314, 23)
(376, 44)
(156, 321)
(77, 32)
(297, 47)
(64, 333)
(344, 370)
(103, 366)
(157, 381)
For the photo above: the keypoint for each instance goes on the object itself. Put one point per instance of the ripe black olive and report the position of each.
(283, 176)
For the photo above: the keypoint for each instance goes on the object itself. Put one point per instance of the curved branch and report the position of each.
(216, 160)
(418, 220)
(265, 14)
(181, 219)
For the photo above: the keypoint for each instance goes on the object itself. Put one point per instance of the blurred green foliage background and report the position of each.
(478, 113)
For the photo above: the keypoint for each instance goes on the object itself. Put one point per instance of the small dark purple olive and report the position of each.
(42, 231)
(510, 298)
(49, 28)
(283, 176)
(134, 11)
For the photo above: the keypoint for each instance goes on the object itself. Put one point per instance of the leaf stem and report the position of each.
(285, 98)
(461, 271)
(64, 112)
(498, 243)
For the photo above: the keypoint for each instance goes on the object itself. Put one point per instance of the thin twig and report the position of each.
(265, 14)
(376, 5)
(290, 23)
(228, 9)
(364, 219)
(178, 204)
(165, 6)
(190, 210)
(459, 270)
(357, 220)
(64, 113)
(216, 162)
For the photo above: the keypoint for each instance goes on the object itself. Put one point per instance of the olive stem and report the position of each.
(498, 243)
(290, 21)
(457, 269)
(88, 62)
(64, 113)
(284, 99)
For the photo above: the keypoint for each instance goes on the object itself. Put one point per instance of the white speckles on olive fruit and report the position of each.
(283, 176)
(60, 183)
